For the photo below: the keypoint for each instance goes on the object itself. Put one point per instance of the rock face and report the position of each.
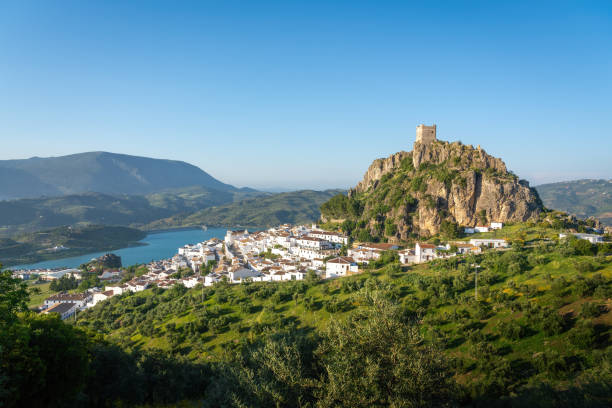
(411, 194)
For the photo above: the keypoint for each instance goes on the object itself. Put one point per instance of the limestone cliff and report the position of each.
(413, 194)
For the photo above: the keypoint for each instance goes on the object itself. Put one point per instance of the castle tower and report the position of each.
(425, 134)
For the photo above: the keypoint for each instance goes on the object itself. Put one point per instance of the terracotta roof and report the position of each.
(428, 246)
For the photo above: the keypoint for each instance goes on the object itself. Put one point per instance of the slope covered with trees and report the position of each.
(584, 198)
(294, 207)
(537, 333)
(39, 246)
(128, 210)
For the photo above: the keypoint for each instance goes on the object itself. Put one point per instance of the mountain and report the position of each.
(32, 214)
(584, 198)
(262, 211)
(438, 185)
(100, 172)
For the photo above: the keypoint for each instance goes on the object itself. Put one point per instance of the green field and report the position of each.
(37, 298)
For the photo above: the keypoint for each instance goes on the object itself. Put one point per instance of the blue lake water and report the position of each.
(160, 245)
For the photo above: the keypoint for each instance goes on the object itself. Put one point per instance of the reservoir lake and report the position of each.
(159, 245)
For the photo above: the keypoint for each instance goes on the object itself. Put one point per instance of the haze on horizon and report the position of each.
(286, 95)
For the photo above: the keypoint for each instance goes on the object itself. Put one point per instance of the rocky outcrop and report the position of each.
(380, 167)
(417, 191)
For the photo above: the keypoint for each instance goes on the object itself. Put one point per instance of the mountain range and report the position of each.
(584, 198)
(100, 172)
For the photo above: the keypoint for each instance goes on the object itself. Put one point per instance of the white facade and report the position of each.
(592, 238)
(491, 243)
(424, 252)
(340, 266)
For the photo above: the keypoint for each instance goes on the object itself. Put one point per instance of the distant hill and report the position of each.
(267, 210)
(32, 214)
(583, 198)
(39, 246)
(100, 172)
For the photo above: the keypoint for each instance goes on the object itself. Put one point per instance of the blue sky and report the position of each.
(306, 94)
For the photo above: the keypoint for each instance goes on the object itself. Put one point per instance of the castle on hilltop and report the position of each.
(425, 134)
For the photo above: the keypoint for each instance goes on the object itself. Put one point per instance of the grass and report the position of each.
(37, 299)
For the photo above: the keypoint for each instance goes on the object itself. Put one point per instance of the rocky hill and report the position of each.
(438, 186)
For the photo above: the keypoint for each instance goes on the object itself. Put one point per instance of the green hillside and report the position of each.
(585, 198)
(537, 335)
(129, 210)
(266, 210)
(538, 332)
(38, 246)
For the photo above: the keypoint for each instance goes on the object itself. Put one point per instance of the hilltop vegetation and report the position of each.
(584, 198)
(438, 186)
(296, 207)
(38, 246)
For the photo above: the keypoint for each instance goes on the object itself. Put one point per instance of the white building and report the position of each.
(490, 243)
(237, 275)
(65, 310)
(100, 296)
(424, 252)
(592, 238)
(497, 225)
(79, 299)
(340, 266)
(313, 243)
(407, 256)
(334, 237)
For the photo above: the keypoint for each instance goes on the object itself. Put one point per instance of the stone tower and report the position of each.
(425, 134)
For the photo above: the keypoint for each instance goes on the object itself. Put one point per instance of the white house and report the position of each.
(407, 256)
(334, 237)
(592, 238)
(237, 275)
(313, 243)
(340, 266)
(491, 243)
(79, 299)
(65, 310)
(424, 252)
(100, 296)
(497, 225)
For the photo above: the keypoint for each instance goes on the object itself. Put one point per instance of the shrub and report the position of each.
(512, 330)
(583, 247)
(589, 310)
(583, 335)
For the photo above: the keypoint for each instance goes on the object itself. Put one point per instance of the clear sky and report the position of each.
(306, 94)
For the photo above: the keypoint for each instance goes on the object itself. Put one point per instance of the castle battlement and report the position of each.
(425, 134)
